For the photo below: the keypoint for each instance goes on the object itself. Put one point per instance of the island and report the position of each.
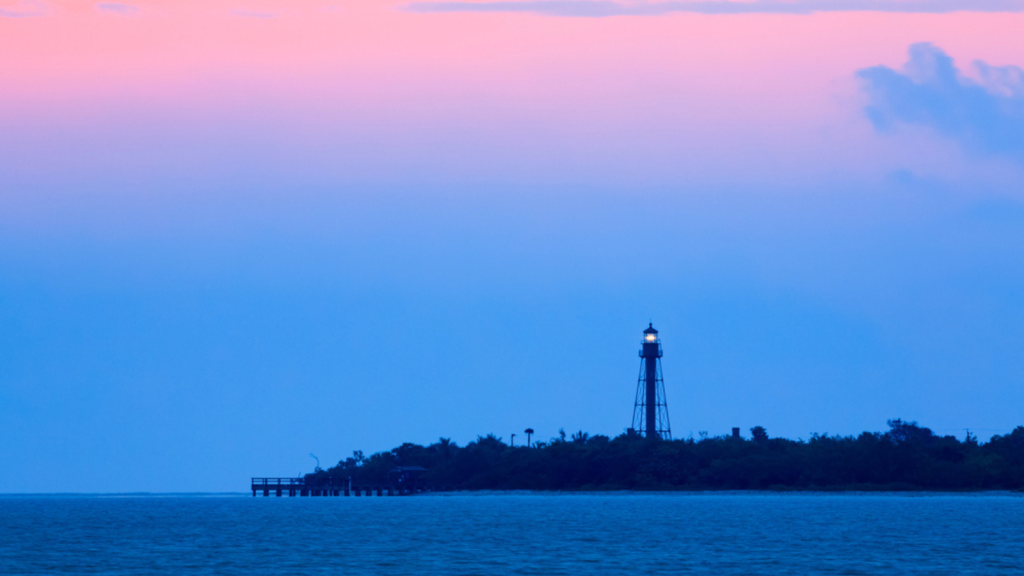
(907, 456)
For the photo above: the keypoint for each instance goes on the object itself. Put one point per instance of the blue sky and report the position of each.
(234, 340)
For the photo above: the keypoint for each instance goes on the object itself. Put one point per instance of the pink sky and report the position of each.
(367, 91)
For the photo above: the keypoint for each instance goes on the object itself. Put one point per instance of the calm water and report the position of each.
(632, 534)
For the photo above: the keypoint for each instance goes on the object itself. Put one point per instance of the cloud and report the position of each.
(601, 8)
(252, 14)
(986, 115)
(118, 8)
(24, 9)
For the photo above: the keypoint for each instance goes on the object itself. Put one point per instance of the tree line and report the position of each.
(906, 457)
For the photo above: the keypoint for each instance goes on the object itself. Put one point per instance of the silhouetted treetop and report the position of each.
(907, 456)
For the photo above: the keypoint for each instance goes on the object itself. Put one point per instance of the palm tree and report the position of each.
(528, 432)
(445, 445)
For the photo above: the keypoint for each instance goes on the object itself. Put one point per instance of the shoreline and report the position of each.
(519, 492)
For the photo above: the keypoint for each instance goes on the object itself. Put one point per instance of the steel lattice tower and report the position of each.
(650, 409)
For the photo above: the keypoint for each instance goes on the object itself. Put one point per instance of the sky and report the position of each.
(237, 233)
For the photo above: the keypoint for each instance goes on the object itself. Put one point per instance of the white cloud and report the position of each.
(986, 115)
(600, 8)
(24, 9)
(118, 8)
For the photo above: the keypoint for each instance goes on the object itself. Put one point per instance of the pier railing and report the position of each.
(275, 483)
(401, 481)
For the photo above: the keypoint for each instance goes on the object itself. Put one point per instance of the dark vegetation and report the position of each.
(907, 457)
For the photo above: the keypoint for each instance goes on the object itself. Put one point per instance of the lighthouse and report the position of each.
(650, 409)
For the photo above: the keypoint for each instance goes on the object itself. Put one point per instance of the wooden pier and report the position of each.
(403, 481)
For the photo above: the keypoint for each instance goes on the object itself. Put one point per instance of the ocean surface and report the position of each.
(496, 533)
